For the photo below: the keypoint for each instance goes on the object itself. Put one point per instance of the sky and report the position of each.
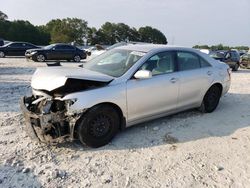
(184, 22)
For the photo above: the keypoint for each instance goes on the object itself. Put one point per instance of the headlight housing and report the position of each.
(32, 53)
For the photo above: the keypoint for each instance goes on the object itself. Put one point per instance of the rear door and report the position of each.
(156, 95)
(68, 52)
(196, 76)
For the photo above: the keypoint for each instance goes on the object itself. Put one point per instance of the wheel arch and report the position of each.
(122, 125)
(40, 53)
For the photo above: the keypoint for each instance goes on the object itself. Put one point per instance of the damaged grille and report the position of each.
(47, 118)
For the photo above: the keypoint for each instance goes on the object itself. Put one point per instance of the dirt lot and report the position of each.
(189, 149)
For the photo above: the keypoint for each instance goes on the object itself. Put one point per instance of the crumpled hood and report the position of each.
(50, 78)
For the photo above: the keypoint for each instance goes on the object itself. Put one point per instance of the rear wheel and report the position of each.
(2, 54)
(98, 126)
(40, 58)
(77, 58)
(211, 99)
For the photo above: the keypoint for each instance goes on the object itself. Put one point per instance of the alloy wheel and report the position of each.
(40, 58)
(77, 58)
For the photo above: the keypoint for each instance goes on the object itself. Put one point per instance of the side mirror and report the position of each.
(143, 74)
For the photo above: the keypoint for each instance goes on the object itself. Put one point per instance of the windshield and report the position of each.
(114, 62)
(48, 47)
(7, 44)
(217, 55)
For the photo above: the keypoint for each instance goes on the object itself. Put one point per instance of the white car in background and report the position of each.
(98, 49)
(120, 88)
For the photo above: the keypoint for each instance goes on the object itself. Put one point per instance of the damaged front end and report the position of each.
(48, 119)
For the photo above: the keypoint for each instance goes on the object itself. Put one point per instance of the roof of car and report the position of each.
(149, 47)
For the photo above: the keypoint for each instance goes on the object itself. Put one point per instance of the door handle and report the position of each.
(209, 73)
(173, 80)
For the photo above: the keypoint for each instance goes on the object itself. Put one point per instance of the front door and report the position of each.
(156, 95)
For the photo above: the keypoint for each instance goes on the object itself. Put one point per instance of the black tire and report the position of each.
(2, 54)
(40, 58)
(98, 126)
(211, 99)
(236, 67)
(77, 58)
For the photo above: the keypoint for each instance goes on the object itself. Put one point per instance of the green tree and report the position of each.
(201, 47)
(152, 35)
(92, 36)
(67, 30)
(107, 34)
(20, 30)
(110, 33)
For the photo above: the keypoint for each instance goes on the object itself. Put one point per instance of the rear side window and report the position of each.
(204, 63)
(188, 61)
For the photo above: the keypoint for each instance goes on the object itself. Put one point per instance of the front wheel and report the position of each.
(211, 99)
(77, 58)
(98, 126)
(40, 58)
(2, 54)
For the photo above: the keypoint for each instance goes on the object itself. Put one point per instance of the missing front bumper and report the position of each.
(47, 128)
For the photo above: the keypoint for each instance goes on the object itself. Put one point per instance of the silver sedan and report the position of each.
(120, 88)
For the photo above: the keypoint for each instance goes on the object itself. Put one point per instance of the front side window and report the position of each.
(188, 61)
(67, 47)
(114, 62)
(59, 47)
(16, 45)
(49, 47)
(160, 63)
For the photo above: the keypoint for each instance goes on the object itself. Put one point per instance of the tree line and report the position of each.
(220, 47)
(76, 30)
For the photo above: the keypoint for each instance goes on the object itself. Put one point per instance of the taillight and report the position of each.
(229, 71)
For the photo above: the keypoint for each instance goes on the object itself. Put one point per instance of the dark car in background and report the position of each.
(1, 42)
(15, 49)
(59, 51)
(230, 57)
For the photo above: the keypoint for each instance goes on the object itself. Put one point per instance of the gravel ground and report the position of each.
(189, 149)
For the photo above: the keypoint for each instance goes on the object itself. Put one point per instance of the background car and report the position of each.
(1, 42)
(98, 49)
(245, 60)
(230, 57)
(56, 52)
(15, 49)
(120, 88)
